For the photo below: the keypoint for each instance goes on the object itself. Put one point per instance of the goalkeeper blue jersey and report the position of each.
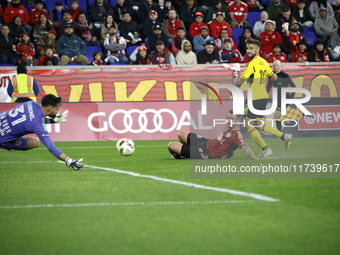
(26, 118)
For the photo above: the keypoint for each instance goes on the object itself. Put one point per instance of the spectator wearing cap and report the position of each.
(300, 54)
(208, 55)
(218, 24)
(171, 25)
(277, 54)
(122, 6)
(145, 8)
(16, 8)
(157, 35)
(216, 6)
(315, 7)
(325, 26)
(140, 56)
(57, 13)
(292, 37)
(115, 46)
(7, 55)
(162, 55)
(285, 20)
(98, 10)
(25, 50)
(238, 12)
(319, 53)
(129, 29)
(67, 20)
(71, 48)
(16, 29)
(201, 40)
(228, 54)
(302, 14)
(47, 42)
(269, 37)
(275, 9)
(195, 27)
(176, 44)
(42, 27)
(259, 25)
(35, 12)
(187, 13)
(186, 56)
(104, 28)
(149, 23)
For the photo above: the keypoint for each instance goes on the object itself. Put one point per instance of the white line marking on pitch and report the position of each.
(234, 192)
(127, 204)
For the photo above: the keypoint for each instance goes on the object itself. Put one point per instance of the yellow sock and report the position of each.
(268, 129)
(256, 136)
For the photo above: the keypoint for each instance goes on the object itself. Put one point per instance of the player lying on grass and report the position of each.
(30, 118)
(195, 146)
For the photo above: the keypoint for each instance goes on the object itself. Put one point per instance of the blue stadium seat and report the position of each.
(7, 65)
(51, 4)
(82, 5)
(237, 32)
(90, 50)
(310, 38)
(129, 50)
(253, 17)
(307, 30)
(29, 7)
(91, 2)
(113, 3)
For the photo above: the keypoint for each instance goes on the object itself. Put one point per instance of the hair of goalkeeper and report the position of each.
(50, 99)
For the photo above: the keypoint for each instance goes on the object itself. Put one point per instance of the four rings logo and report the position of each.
(137, 121)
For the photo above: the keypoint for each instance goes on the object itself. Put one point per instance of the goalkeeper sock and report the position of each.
(185, 151)
(256, 136)
(278, 125)
(271, 130)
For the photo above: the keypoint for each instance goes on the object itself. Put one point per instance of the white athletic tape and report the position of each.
(234, 192)
(127, 204)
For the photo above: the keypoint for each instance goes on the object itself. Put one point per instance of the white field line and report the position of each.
(188, 184)
(127, 204)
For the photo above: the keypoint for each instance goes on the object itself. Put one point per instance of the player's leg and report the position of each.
(276, 116)
(178, 151)
(183, 137)
(22, 144)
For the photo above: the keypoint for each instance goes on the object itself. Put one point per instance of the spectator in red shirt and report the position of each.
(35, 12)
(292, 37)
(269, 37)
(49, 59)
(300, 54)
(218, 24)
(16, 8)
(25, 49)
(238, 12)
(277, 54)
(195, 27)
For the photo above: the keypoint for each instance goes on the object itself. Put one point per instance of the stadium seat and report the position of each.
(7, 65)
(310, 38)
(129, 50)
(308, 30)
(29, 8)
(51, 4)
(237, 32)
(90, 2)
(113, 3)
(90, 50)
(253, 17)
(82, 5)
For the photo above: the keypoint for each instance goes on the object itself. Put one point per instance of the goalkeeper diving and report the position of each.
(31, 118)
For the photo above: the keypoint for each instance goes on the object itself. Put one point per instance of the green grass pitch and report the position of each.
(98, 211)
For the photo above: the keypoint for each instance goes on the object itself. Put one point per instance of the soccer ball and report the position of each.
(125, 146)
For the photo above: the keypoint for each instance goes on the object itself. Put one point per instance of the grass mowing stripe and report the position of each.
(128, 204)
(234, 192)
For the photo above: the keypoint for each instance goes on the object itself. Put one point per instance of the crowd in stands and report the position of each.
(185, 32)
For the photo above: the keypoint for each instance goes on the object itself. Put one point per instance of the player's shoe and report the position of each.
(265, 153)
(177, 156)
(288, 140)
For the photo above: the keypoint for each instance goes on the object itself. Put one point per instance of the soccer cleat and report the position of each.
(266, 153)
(288, 140)
(177, 156)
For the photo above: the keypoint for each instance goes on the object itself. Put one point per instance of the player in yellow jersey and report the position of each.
(257, 70)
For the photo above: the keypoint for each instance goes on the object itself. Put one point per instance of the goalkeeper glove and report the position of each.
(61, 117)
(75, 164)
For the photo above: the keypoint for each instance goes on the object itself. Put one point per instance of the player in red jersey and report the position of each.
(195, 146)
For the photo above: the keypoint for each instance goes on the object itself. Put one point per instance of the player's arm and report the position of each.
(270, 73)
(239, 82)
(248, 152)
(269, 85)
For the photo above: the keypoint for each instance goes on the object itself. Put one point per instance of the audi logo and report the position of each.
(137, 121)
